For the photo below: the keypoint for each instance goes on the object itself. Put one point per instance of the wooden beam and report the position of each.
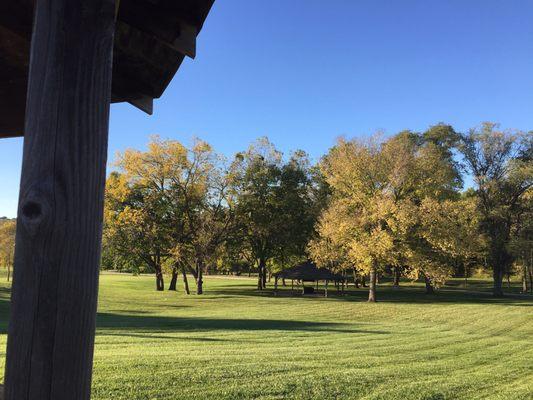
(143, 103)
(53, 303)
(12, 106)
(186, 41)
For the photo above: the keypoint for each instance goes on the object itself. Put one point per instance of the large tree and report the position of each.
(133, 233)
(168, 208)
(378, 188)
(150, 201)
(447, 235)
(500, 163)
(521, 244)
(362, 219)
(209, 218)
(273, 205)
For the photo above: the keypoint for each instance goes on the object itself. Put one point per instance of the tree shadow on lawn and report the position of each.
(387, 294)
(443, 296)
(150, 335)
(159, 324)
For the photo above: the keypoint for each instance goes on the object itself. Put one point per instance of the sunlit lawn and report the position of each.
(233, 343)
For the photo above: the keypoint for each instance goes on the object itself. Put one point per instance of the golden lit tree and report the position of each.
(8, 228)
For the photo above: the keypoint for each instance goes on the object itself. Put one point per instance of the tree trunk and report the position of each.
(363, 281)
(261, 283)
(396, 277)
(524, 278)
(159, 280)
(497, 274)
(373, 284)
(199, 279)
(355, 279)
(185, 280)
(500, 259)
(265, 277)
(59, 228)
(174, 279)
(429, 286)
(530, 271)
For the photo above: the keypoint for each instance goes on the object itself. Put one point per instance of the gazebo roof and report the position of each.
(152, 38)
(308, 271)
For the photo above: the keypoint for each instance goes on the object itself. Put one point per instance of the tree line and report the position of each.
(396, 205)
(421, 205)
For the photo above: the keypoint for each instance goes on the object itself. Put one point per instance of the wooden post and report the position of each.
(53, 303)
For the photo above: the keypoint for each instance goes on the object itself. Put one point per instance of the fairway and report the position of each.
(233, 343)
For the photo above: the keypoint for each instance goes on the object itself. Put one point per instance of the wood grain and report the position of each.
(52, 324)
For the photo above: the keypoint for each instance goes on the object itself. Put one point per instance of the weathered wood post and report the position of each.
(52, 325)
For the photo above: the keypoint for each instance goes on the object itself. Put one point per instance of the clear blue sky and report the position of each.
(305, 72)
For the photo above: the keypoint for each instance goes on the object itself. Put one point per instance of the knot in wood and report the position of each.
(33, 211)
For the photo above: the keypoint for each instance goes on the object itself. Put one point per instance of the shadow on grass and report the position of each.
(406, 294)
(159, 336)
(180, 324)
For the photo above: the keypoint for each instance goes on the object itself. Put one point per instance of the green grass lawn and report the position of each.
(233, 343)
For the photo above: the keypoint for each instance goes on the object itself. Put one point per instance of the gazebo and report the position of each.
(61, 64)
(309, 272)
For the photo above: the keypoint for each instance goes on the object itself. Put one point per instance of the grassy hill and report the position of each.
(233, 343)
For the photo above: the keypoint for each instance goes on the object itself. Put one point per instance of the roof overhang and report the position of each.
(152, 37)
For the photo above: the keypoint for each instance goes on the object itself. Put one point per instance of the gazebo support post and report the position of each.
(53, 303)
